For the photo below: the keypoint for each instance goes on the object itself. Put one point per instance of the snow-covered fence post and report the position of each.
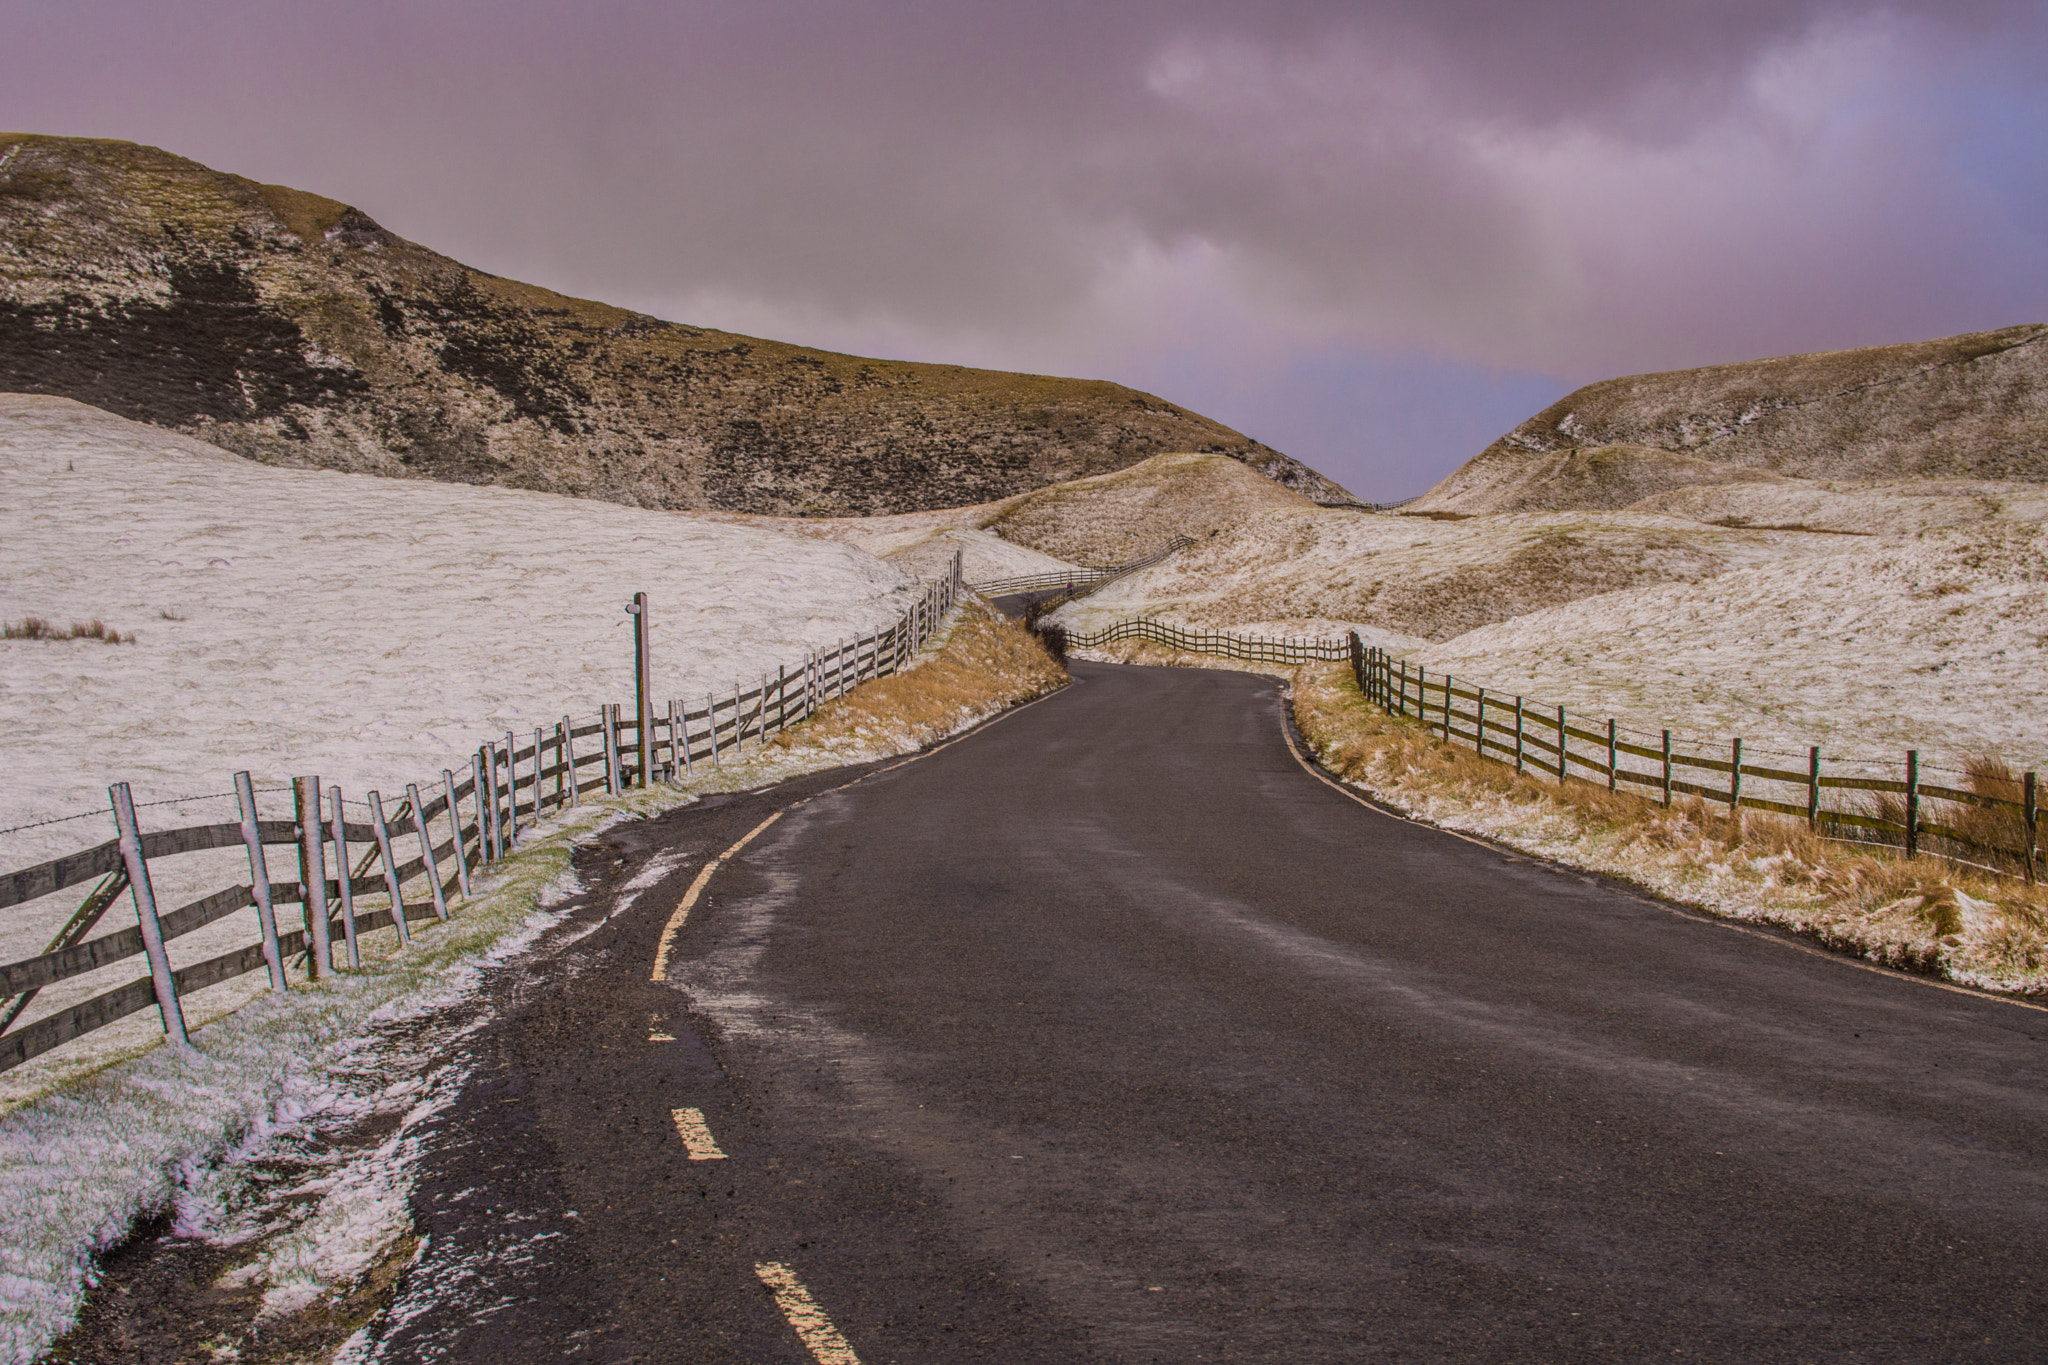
(486, 809)
(454, 823)
(1812, 788)
(382, 833)
(419, 824)
(1912, 803)
(643, 685)
(339, 823)
(259, 882)
(165, 985)
(312, 872)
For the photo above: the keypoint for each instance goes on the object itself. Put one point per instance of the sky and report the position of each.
(1372, 235)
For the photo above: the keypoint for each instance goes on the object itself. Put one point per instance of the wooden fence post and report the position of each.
(339, 823)
(1735, 777)
(512, 790)
(1612, 755)
(1479, 726)
(540, 765)
(643, 686)
(419, 824)
(1912, 803)
(259, 882)
(455, 824)
(1667, 769)
(676, 764)
(382, 832)
(2031, 812)
(613, 779)
(165, 985)
(312, 874)
(486, 811)
(568, 760)
(1563, 748)
(1518, 734)
(1813, 787)
(711, 715)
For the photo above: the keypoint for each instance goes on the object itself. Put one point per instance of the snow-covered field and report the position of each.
(1919, 621)
(368, 631)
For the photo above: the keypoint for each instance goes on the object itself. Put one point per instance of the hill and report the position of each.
(1964, 407)
(295, 330)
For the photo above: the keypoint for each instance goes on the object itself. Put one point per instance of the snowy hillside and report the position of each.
(371, 631)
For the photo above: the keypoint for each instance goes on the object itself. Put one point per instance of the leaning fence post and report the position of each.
(486, 809)
(419, 823)
(1912, 803)
(165, 985)
(613, 779)
(259, 882)
(382, 832)
(312, 873)
(455, 824)
(339, 823)
(568, 751)
(1813, 787)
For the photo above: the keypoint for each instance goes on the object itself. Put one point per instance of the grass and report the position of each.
(39, 628)
(986, 664)
(1919, 914)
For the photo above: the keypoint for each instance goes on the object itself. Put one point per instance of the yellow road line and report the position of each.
(696, 1135)
(675, 921)
(816, 1331)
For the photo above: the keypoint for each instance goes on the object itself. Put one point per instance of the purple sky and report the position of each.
(1372, 235)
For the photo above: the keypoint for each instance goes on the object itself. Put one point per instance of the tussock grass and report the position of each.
(39, 628)
(1919, 914)
(986, 664)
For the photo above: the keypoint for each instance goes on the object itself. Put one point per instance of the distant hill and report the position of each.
(1972, 406)
(293, 329)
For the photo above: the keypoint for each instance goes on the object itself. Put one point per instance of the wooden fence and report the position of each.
(1986, 828)
(1079, 581)
(415, 859)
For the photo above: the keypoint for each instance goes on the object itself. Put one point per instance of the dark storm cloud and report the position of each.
(1566, 188)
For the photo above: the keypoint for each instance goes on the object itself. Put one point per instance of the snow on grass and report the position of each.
(370, 631)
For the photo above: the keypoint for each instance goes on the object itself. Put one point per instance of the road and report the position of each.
(1111, 1033)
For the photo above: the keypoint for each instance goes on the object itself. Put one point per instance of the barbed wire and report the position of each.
(139, 805)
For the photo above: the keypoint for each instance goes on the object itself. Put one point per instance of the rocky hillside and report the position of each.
(1972, 407)
(294, 329)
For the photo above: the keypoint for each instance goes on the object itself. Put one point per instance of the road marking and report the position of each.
(826, 1345)
(696, 1135)
(661, 1037)
(1646, 897)
(675, 921)
(689, 901)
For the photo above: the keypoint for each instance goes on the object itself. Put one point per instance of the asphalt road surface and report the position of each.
(1110, 1033)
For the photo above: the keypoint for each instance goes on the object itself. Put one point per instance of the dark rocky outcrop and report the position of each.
(294, 329)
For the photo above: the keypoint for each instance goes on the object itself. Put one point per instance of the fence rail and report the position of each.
(1961, 824)
(414, 861)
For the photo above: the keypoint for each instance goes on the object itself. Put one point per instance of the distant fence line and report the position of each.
(507, 788)
(2000, 825)
(1075, 580)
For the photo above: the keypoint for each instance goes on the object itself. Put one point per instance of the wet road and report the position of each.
(1110, 1033)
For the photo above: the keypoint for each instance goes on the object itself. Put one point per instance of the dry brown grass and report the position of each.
(39, 628)
(1920, 914)
(986, 664)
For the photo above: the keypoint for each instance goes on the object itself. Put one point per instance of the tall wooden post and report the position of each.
(486, 809)
(643, 684)
(160, 978)
(339, 824)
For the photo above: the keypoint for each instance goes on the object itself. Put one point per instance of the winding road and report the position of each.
(1111, 1032)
